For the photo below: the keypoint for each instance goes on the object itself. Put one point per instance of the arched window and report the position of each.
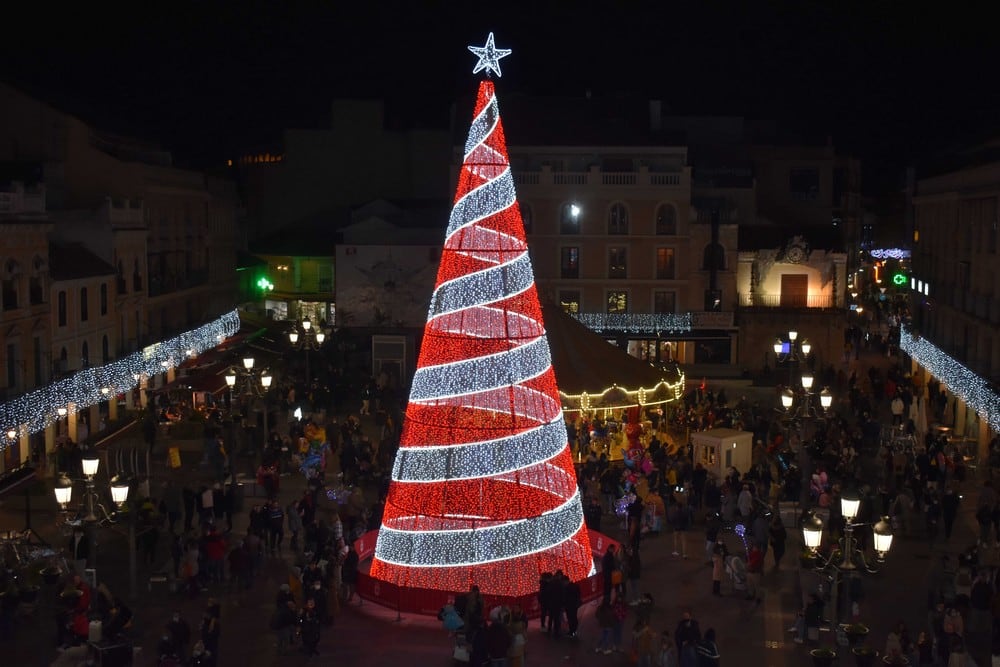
(85, 355)
(104, 298)
(618, 219)
(714, 257)
(666, 220)
(527, 217)
(569, 218)
(84, 305)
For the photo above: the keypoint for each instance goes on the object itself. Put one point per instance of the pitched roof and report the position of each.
(71, 261)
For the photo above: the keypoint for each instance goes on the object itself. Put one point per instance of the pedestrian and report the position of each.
(173, 503)
(681, 521)
(294, 520)
(643, 648)
(349, 573)
(544, 581)
(687, 634)
(620, 610)
(708, 651)
(275, 526)
(712, 524)
(283, 623)
(949, 510)
(667, 656)
(555, 600)
(633, 570)
(498, 642)
(778, 535)
(309, 628)
(606, 622)
(755, 568)
(179, 633)
(932, 514)
(744, 502)
(201, 656)
(190, 569)
(571, 601)
(473, 611)
(518, 626)
(718, 562)
(210, 631)
(611, 575)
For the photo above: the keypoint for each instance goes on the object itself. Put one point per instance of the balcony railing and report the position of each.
(596, 177)
(748, 300)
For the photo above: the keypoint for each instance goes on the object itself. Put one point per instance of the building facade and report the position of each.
(955, 286)
(612, 232)
(108, 248)
(189, 216)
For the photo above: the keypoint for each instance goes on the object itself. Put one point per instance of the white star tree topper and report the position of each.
(489, 57)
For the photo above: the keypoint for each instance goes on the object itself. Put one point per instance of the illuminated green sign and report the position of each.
(264, 284)
(899, 279)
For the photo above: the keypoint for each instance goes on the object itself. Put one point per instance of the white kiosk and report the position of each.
(719, 449)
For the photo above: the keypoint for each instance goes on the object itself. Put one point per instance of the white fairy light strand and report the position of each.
(967, 385)
(476, 546)
(36, 410)
(645, 323)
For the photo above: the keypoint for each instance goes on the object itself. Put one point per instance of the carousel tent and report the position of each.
(595, 374)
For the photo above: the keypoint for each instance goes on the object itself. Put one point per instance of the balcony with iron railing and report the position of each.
(755, 300)
(597, 178)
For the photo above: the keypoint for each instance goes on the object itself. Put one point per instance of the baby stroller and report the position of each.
(736, 570)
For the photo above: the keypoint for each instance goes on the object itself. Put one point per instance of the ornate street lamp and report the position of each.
(850, 555)
(310, 338)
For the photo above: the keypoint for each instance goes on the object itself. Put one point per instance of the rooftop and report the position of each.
(71, 261)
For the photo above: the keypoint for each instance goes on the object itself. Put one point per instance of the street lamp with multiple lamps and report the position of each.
(95, 513)
(798, 401)
(311, 338)
(252, 383)
(850, 554)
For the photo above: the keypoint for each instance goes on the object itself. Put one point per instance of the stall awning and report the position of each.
(593, 373)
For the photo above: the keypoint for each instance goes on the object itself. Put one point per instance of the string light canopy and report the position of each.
(964, 383)
(36, 410)
(483, 487)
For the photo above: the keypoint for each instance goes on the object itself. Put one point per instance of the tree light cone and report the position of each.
(483, 487)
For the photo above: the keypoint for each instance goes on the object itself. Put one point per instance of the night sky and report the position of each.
(210, 80)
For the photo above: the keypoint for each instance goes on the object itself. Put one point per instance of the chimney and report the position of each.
(655, 115)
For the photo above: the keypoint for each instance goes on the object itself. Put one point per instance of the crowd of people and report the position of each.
(676, 498)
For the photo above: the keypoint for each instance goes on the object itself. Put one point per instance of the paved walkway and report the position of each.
(366, 635)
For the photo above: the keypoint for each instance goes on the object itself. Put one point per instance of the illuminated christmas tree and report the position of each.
(483, 488)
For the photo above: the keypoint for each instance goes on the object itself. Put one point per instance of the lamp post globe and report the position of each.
(812, 532)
